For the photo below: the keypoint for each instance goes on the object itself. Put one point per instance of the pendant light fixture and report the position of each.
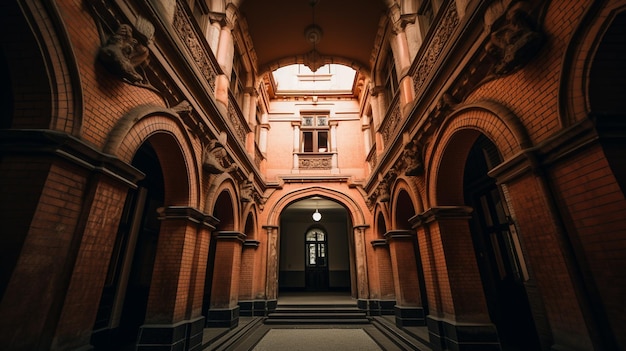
(316, 215)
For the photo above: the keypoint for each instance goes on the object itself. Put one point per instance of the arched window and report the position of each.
(316, 242)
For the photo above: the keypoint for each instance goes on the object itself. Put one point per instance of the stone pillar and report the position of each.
(402, 55)
(223, 310)
(360, 254)
(271, 290)
(296, 146)
(214, 30)
(265, 128)
(409, 310)
(333, 147)
(367, 133)
(225, 54)
(173, 318)
(461, 321)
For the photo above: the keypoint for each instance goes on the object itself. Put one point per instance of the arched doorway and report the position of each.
(315, 255)
(124, 300)
(498, 252)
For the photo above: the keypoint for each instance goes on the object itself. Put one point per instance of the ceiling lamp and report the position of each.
(317, 215)
(313, 34)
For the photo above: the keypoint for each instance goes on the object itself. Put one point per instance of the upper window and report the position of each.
(236, 83)
(390, 78)
(315, 134)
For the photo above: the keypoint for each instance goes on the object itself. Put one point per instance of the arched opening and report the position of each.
(248, 272)
(124, 300)
(497, 250)
(224, 212)
(403, 213)
(607, 88)
(315, 265)
(381, 227)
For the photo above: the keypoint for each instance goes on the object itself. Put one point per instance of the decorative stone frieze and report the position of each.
(442, 35)
(183, 27)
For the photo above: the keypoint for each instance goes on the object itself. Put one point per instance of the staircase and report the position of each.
(322, 313)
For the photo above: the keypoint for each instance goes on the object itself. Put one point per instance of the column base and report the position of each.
(376, 307)
(447, 335)
(256, 308)
(223, 317)
(185, 335)
(409, 316)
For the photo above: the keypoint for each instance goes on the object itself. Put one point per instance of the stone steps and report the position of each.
(317, 314)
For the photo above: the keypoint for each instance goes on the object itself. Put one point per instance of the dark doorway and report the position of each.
(315, 253)
(497, 251)
(316, 257)
(124, 300)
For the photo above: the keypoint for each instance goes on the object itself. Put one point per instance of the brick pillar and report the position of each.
(223, 310)
(248, 305)
(173, 319)
(60, 206)
(387, 298)
(409, 310)
(460, 319)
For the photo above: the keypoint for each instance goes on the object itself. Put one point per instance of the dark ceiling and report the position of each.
(349, 28)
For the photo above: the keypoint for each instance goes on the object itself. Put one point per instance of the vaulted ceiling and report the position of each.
(349, 28)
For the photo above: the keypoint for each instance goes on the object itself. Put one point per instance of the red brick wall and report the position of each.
(594, 206)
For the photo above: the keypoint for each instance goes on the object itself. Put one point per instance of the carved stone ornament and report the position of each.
(215, 159)
(413, 160)
(246, 190)
(515, 42)
(124, 51)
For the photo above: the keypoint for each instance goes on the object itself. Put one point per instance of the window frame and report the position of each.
(320, 125)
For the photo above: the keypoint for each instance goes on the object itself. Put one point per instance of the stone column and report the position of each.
(225, 54)
(223, 309)
(271, 290)
(360, 255)
(333, 147)
(401, 54)
(296, 146)
(461, 321)
(265, 128)
(409, 310)
(173, 317)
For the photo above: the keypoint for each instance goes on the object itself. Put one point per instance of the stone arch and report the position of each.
(40, 66)
(174, 148)
(577, 76)
(354, 210)
(456, 136)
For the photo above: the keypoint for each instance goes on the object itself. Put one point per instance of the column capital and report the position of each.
(398, 234)
(379, 243)
(187, 213)
(229, 235)
(251, 244)
(440, 213)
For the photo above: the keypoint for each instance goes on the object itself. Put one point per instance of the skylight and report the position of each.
(328, 79)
